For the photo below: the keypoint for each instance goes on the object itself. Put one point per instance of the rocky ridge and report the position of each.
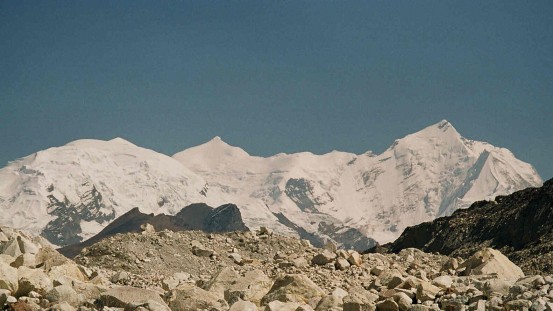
(193, 270)
(520, 225)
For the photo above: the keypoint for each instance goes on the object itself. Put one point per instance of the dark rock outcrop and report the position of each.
(224, 218)
(520, 225)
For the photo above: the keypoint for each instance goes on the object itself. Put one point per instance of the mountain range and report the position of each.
(70, 193)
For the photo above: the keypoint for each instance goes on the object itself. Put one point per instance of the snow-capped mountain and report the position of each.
(422, 176)
(70, 193)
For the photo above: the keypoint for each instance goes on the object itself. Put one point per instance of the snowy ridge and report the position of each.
(70, 193)
(422, 176)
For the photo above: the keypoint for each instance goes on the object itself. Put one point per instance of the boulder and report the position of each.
(443, 281)
(491, 261)
(32, 280)
(64, 293)
(242, 305)
(387, 305)
(8, 277)
(221, 281)
(293, 288)
(360, 299)
(426, 291)
(282, 306)
(323, 258)
(330, 303)
(147, 228)
(129, 297)
(27, 260)
(188, 297)
(355, 259)
(199, 250)
(342, 264)
(253, 286)
(68, 270)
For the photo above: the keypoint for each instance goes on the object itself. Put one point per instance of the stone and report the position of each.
(236, 258)
(126, 297)
(330, 246)
(67, 270)
(120, 276)
(64, 293)
(299, 262)
(253, 286)
(293, 288)
(221, 281)
(47, 257)
(4, 294)
(32, 280)
(359, 299)
(242, 305)
(404, 302)
(188, 297)
(498, 286)
(342, 264)
(491, 261)
(518, 304)
(387, 305)
(377, 270)
(27, 260)
(355, 259)
(11, 248)
(323, 258)
(199, 250)
(8, 277)
(426, 291)
(147, 228)
(443, 282)
(62, 306)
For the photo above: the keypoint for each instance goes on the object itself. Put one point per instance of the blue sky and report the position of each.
(276, 76)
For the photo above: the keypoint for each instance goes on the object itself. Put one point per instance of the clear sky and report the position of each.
(276, 76)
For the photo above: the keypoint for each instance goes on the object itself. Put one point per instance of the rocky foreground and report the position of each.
(192, 270)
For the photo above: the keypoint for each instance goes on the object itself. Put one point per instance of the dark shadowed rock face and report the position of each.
(224, 218)
(520, 225)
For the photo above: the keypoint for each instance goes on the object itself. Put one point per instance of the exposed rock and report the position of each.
(127, 297)
(293, 288)
(323, 258)
(242, 305)
(490, 261)
(360, 299)
(8, 277)
(188, 297)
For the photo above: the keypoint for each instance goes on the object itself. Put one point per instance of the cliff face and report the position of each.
(520, 225)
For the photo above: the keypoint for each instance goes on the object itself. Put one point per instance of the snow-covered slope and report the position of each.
(71, 192)
(420, 177)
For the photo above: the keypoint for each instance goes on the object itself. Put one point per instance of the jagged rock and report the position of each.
(443, 281)
(27, 260)
(360, 299)
(377, 270)
(387, 305)
(499, 286)
(62, 306)
(390, 278)
(293, 288)
(330, 303)
(120, 276)
(242, 305)
(221, 281)
(300, 262)
(519, 304)
(47, 257)
(342, 264)
(68, 270)
(4, 294)
(199, 250)
(188, 297)
(491, 261)
(252, 287)
(32, 280)
(403, 301)
(8, 277)
(11, 248)
(147, 228)
(285, 306)
(236, 258)
(129, 297)
(355, 259)
(64, 293)
(426, 291)
(323, 258)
